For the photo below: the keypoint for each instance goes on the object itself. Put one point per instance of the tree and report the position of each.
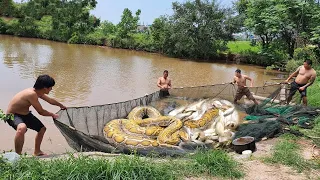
(7, 8)
(285, 20)
(196, 30)
(159, 32)
(128, 23)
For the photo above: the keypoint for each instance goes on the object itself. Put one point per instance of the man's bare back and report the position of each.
(20, 103)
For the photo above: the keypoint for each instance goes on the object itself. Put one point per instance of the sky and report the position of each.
(111, 10)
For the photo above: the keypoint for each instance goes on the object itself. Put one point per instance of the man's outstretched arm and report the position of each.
(250, 79)
(293, 74)
(52, 101)
(37, 106)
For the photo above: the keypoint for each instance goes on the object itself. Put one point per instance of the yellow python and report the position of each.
(146, 130)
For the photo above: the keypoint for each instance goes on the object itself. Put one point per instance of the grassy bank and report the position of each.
(202, 164)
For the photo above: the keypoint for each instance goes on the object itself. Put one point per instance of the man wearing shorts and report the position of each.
(305, 78)
(240, 80)
(23, 118)
(164, 83)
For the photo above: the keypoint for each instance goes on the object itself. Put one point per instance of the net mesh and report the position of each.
(83, 126)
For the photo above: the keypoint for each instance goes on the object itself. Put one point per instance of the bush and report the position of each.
(292, 65)
(3, 26)
(301, 54)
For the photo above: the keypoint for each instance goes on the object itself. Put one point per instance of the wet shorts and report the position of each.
(30, 120)
(243, 91)
(164, 93)
(294, 87)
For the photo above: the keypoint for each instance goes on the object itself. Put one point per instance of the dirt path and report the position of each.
(255, 169)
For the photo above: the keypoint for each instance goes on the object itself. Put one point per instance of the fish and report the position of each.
(177, 111)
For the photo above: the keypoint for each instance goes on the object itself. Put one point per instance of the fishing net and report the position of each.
(83, 127)
(271, 118)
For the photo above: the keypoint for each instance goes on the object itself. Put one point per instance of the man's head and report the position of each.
(165, 73)
(307, 64)
(238, 72)
(44, 82)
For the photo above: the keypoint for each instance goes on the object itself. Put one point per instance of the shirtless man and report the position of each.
(305, 78)
(241, 79)
(23, 118)
(164, 83)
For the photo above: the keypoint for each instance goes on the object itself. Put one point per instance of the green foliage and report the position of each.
(196, 30)
(292, 65)
(300, 55)
(7, 8)
(3, 26)
(95, 38)
(159, 31)
(13, 27)
(314, 93)
(273, 56)
(242, 46)
(4, 116)
(128, 23)
(281, 20)
(45, 27)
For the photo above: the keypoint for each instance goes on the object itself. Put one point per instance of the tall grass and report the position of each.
(209, 163)
(313, 95)
(218, 163)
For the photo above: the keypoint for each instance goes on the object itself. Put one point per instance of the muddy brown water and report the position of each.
(91, 75)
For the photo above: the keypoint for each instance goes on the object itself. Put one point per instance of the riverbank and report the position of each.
(215, 164)
(235, 51)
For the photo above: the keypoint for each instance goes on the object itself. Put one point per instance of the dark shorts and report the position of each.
(243, 91)
(294, 87)
(30, 120)
(163, 94)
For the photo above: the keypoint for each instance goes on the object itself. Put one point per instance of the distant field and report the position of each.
(240, 46)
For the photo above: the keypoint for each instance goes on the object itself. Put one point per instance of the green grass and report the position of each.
(217, 163)
(287, 152)
(313, 93)
(237, 47)
(202, 164)
(313, 133)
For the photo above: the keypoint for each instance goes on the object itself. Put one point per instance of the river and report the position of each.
(90, 75)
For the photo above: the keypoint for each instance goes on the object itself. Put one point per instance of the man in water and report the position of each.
(23, 118)
(240, 80)
(305, 78)
(164, 83)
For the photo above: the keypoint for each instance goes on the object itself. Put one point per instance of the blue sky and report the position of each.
(111, 10)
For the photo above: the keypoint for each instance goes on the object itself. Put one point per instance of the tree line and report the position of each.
(198, 29)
